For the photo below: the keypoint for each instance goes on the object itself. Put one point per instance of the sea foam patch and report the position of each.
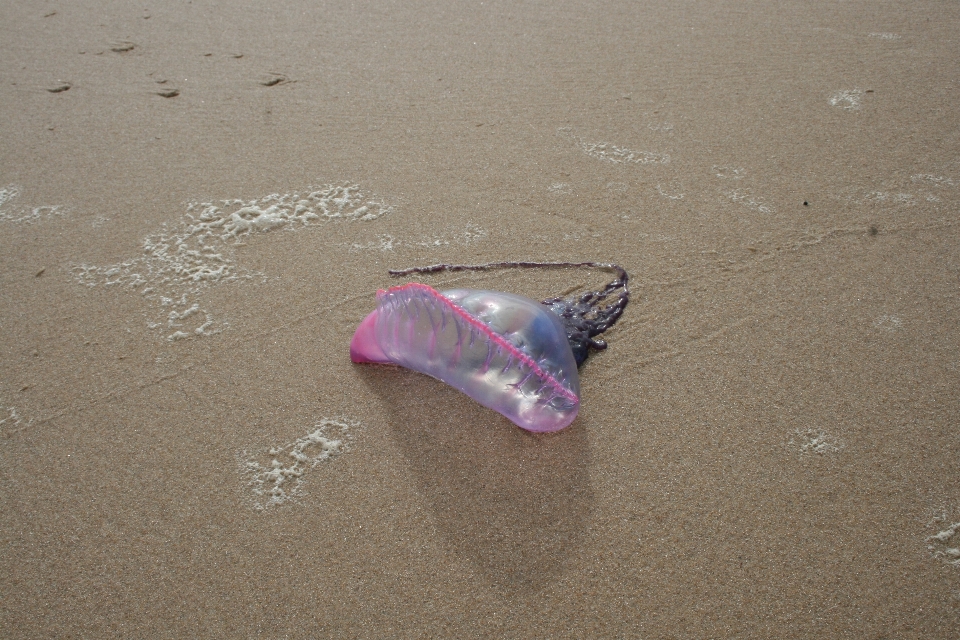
(848, 99)
(945, 543)
(471, 233)
(612, 153)
(177, 263)
(748, 200)
(817, 441)
(276, 475)
(10, 421)
(12, 211)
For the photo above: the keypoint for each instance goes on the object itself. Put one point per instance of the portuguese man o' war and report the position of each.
(511, 354)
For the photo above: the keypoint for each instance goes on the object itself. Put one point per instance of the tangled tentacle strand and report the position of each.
(582, 315)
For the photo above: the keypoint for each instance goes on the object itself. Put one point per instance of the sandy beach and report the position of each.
(200, 200)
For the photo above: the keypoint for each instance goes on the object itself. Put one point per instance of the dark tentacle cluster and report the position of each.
(582, 316)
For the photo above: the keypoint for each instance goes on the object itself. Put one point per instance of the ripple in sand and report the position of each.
(276, 475)
(178, 263)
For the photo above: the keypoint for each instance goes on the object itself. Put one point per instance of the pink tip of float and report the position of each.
(364, 346)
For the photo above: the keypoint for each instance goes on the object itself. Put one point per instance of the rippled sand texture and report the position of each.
(199, 201)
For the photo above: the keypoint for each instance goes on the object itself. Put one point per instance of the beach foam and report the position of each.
(470, 234)
(848, 99)
(11, 211)
(275, 476)
(612, 153)
(746, 198)
(178, 263)
(10, 420)
(807, 441)
(945, 544)
(888, 323)
(674, 191)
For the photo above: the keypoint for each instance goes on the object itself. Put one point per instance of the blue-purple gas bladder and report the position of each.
(510, 353)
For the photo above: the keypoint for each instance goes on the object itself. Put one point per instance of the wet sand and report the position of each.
(198, 203)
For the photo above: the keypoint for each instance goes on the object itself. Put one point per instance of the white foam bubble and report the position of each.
(807, 441)
(848, 99)
(673, 191)
(612, 153)
(930, 179)
(746, 198)
(890, 198)
(177, 263)
(617, 187)
(381, 243)
(888, 323)
(471, 233)
(11, 421)
(559, 189)
(885, 36)
(276, 475)
(11, 211)
(945, 544)
(907, 199)
(729, 173)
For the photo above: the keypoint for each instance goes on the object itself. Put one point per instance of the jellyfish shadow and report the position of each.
(514, 503)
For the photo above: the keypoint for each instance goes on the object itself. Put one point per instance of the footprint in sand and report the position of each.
(122, 46)
(273, 79)
(59, 86)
